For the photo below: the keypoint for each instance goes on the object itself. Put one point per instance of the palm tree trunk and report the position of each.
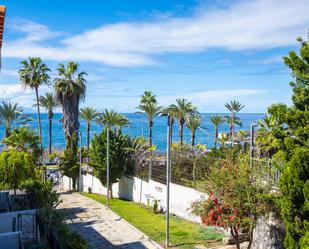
(50, 136)
(216, 136)
(88, 136)
(150, 132)
(193, 139)
(39, 117)
(181, 134)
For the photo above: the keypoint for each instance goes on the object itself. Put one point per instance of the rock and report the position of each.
(268, 233)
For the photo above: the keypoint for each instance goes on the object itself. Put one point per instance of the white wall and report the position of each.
(145, 192)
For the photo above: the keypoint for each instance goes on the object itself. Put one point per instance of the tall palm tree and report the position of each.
(181, 109)
(216, 120)
(232, 121)
(33, 74)
(194, 121)
(11, 112)
(112, 119)
(169, 111)
(70, 88)
(49, 102)
(89, 114)
(234, 107)
(150, 107)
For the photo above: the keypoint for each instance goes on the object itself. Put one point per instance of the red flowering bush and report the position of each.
(234, 188)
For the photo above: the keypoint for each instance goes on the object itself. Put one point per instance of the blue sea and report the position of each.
(139, 127)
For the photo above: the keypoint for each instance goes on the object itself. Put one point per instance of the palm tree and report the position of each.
(49, 102)
(11, 112)
(234, 107)
(169, 111)
(33, 74)
(150, 107)
(111, 119)
(181, 109)
(265, 139)
(194, 121)
(232, 121)
(89, 114)
(70, 88)
(216, 120)
(24, 139)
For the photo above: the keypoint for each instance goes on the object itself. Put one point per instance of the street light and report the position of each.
(107, 165)
(80, 163)
(168, 177)
(253, 125)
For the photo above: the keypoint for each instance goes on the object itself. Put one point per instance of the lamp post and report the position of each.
(80, 163)
(168, 178)
(253, 125)
(107, 165)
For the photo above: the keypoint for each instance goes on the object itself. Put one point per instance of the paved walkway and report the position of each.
(101, 227)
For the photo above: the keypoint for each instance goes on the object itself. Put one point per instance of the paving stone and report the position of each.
(101, 227)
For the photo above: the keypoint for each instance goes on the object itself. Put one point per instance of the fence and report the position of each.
(191, 171)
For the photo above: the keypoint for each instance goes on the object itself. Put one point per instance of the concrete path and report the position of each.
(101, 227)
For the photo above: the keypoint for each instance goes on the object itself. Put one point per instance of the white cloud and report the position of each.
(9, 72)
(34, 31)
(218, 97)
(244, 25)
(17, 93)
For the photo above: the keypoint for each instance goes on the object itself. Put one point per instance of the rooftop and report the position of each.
(2, 15)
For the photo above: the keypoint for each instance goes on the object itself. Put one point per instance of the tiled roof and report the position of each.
(2, 15)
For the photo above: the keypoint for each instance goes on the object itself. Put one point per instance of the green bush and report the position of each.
(16, 167)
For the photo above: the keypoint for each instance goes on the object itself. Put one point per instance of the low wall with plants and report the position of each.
(145, 192)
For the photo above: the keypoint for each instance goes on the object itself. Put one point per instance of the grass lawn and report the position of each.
(183, 234)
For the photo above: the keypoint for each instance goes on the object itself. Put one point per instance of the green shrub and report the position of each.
(16, 167)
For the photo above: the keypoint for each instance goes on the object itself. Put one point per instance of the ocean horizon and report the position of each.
(139, 127)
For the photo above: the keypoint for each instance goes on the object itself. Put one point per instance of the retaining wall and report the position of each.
(141, 191)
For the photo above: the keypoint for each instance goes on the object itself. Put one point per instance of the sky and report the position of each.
(209, 52)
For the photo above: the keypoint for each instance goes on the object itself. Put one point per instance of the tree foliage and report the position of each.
(290, 133)
(124, 152)
(234, 188)
(24, 139)
(10, 112)
(16, 167)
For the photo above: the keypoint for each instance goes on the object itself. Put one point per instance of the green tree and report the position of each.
(169, 111)
(111, 118)
(235, 188)
(121, 158)
(49, 102)
(69, 161)
(291, 132)
(216, 120)
(181, 109)
(150, 107)
(33, 74)
(70, 88)
(89, 114)
(16, 167)
(11, 112)
(24, 139)
(234, 107)
(265, 140)
(193, 121)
